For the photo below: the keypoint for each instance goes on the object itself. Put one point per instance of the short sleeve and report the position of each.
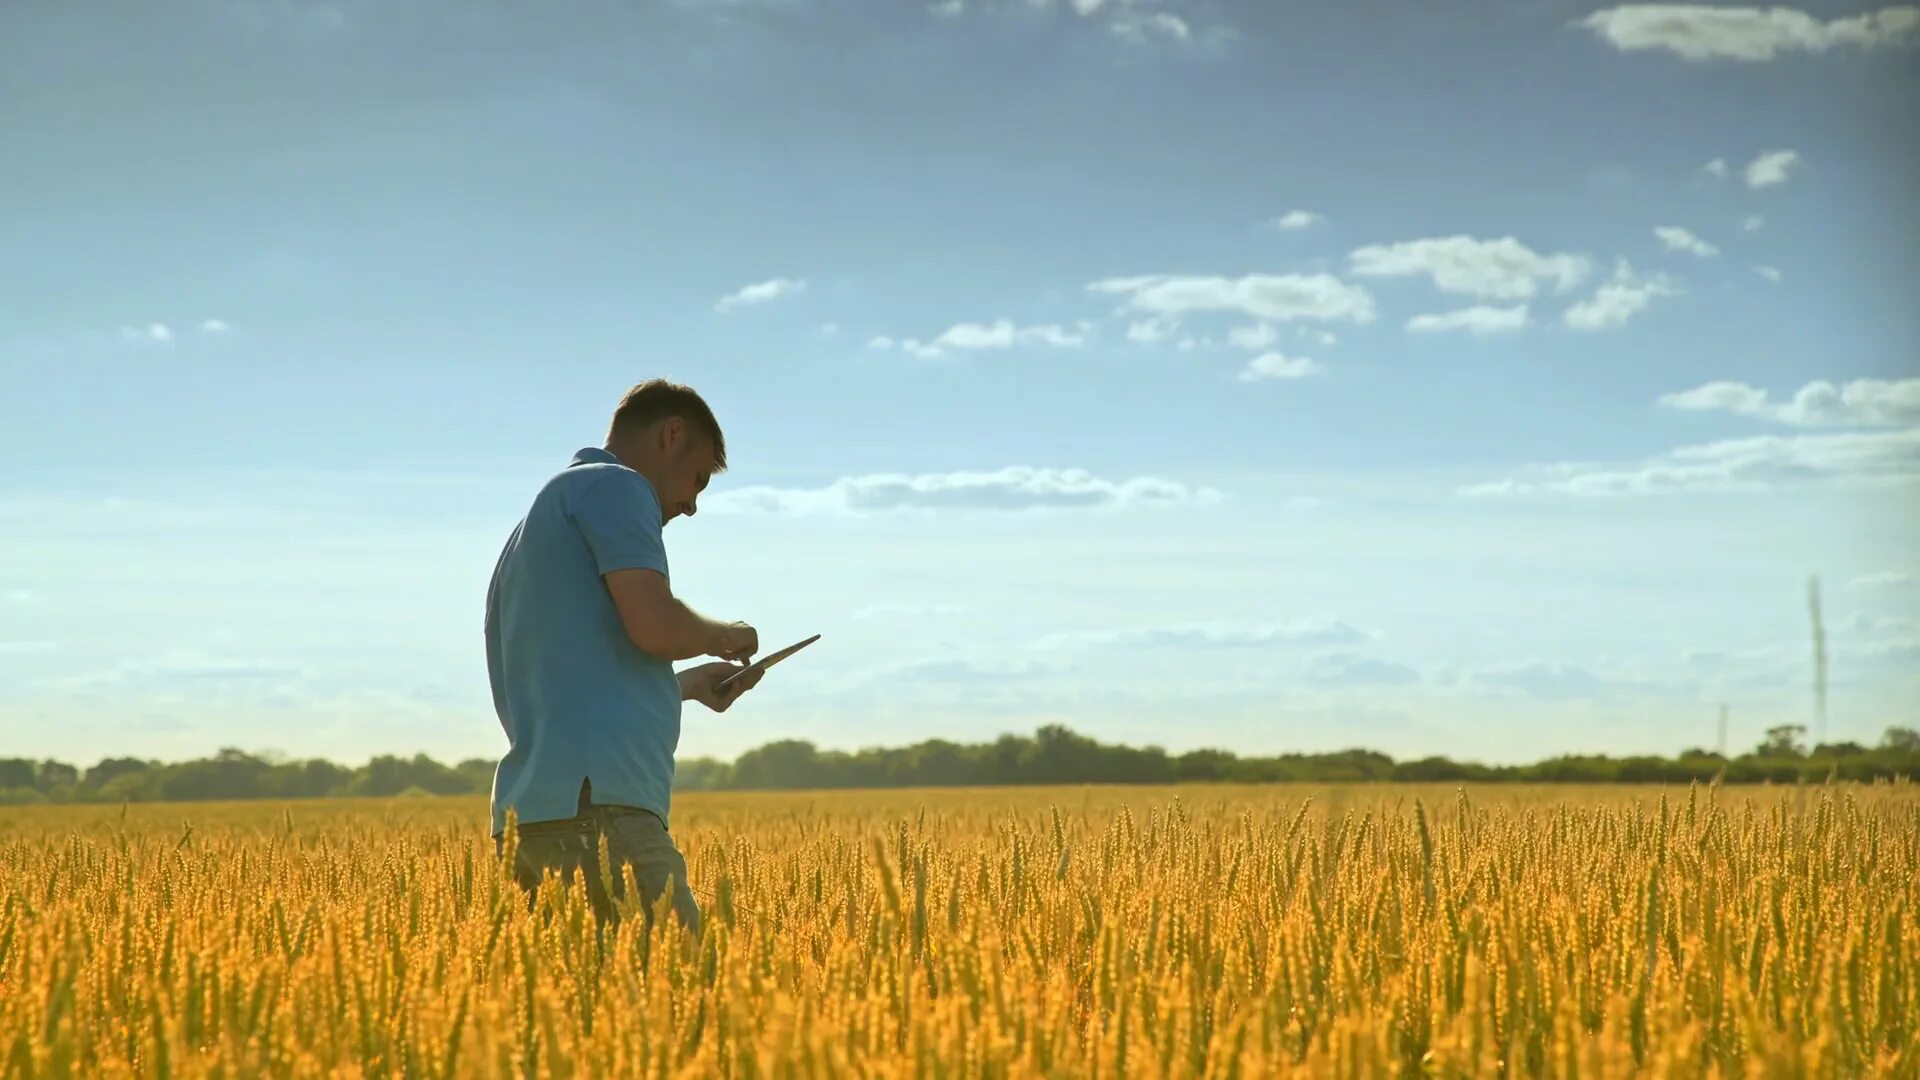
(619, 516)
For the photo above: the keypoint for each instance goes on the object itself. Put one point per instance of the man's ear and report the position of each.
(673, 432)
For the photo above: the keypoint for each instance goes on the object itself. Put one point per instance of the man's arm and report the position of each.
(659, 624)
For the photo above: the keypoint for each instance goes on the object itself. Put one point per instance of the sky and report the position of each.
(1475, 379)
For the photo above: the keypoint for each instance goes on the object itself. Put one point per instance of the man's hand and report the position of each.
(738, 642)
(698, 684)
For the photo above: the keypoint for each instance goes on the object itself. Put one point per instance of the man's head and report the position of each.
(665, 432)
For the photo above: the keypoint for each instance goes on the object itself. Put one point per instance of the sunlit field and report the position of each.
(1197, 931)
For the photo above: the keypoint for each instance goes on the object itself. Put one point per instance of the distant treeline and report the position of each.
(1053, 755)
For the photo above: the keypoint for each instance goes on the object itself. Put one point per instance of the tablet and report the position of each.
(762, 664)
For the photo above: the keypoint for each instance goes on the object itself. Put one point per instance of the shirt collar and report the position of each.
(593, 454)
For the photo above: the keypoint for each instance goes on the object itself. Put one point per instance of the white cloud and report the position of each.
(964, 671)
(947, 8)
(999, 334)
(1272, 297)
(829, 329)
(1480, 320)
(1771, 273)
(1297, 219)
(1552, 682)
(1716, 167)
(1859, 403)
(1255, 337)
(1274, 365)
(1626, 294)
(1885, 579)
(1771, 168)
(1215, 635)
(1142, 25)
(907, 611)
(1679, 239)
(1702, 32)
(1353, 669)
(1327, 338)
(760, 293)
(1017, 487)
(154, 333)
(1753, 222)
(185, 669)
(1502, 269)
(1765, 463)
(1151, 331)
(24, 648)
(215, 326)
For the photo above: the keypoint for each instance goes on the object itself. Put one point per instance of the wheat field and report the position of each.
(1139, 932)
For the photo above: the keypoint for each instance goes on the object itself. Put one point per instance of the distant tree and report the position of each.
(110, 768)
(478, 773)
(788, 763)
(1901, 740)
(1839, 749)
(1204, 765)
(1783, 741)
(57, 775)
(17, 773)
(1430, 768)
(701, 774)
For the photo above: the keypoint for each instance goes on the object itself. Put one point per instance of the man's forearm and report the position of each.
(690, 634)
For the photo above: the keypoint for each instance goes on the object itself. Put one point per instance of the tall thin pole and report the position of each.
(1819, 661)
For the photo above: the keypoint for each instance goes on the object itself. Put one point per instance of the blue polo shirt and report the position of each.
(580, 704)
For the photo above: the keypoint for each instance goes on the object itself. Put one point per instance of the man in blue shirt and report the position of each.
(581, 632)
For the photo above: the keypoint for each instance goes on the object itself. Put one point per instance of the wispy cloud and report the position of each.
(907, 611)
(1131, 20)
(1273, 365)
(1537, 679)
(1015, 488)
(1859, 403)
(1678, 239)
(1152, 331)
(1297, 219)
(1480, 320)
(1771, 168)
(25, 648)
(1142, 26)
(999, 334)
(1703, 32)
(1214, 635)
(184, 669)
(1500, 269)
(1255, 336)
(1273, 297)
(760, 293)
(1626, 294)
(965, 670)
(1759, 464)
(157, 333)
(1885, 580)
(1353, 669)
(1771, 273)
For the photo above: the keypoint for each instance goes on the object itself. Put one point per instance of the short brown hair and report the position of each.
(656, 400)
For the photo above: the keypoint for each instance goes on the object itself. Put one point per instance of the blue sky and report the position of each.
(1472, 379)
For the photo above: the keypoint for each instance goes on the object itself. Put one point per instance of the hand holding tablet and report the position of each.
(725, 686)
